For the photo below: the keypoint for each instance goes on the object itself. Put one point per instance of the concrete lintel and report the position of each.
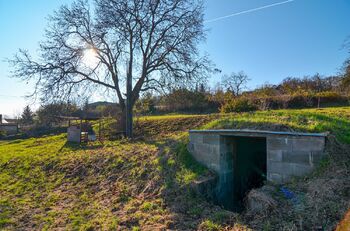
(248, 132)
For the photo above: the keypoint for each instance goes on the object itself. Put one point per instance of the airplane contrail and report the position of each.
(248, 11)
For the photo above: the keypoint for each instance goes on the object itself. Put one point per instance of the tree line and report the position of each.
(134, 48)
(231, 95)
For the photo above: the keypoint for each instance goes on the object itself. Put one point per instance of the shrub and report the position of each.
(331, 97)
(298, 100)
(240, 104)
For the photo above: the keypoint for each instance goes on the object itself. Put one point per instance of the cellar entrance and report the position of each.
(249, 167)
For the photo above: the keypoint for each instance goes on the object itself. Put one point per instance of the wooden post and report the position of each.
(81, 126)
(99, 130)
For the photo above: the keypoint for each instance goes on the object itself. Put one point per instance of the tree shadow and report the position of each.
(181, 175)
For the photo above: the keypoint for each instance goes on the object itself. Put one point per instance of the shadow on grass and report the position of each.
(179, 171)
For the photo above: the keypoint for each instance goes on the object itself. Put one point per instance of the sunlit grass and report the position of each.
(333, 120)
(50, 183)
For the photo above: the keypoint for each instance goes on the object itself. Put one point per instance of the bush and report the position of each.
(298, 100)
(241, 104)
(331, 97)
(189, 101)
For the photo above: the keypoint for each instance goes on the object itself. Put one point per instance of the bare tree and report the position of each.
(235, 82)
(128, 46)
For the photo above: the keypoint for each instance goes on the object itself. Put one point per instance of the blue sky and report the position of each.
(297, 38)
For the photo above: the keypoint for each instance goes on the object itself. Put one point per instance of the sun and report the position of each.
(90, 57)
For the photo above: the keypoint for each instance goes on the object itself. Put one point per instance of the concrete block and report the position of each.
(190, 147)
(211, 139)
(290, 169)
(274, 155)
(278, 143)
(302, 157)
(203, 149)
(196, 138)
(215, 150)
(286, 178)
(200, 152)
(275, 178)
(279, 167)
(308, 143)
(208, 155)
(301, 169)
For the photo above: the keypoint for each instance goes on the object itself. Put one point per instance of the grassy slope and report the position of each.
(324, 195)
(46, 183)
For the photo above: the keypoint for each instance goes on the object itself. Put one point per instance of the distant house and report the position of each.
(10, 126)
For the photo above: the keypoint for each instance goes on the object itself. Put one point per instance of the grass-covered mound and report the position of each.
(333, 120)
(46, 183)
(319, 199)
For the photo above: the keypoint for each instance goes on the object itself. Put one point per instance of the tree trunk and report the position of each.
(128, 105)
(125, 121)
(128, 119)
(121, 119)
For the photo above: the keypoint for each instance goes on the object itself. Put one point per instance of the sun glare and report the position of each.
(90, 58)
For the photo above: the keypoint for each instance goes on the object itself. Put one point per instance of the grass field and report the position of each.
(49, 184)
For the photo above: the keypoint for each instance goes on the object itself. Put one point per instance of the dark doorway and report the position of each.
(249, 167)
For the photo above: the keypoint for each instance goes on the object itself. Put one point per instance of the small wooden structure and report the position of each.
(80, 130)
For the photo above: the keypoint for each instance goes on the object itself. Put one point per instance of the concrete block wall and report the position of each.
(289, 156)
(205, 148)
(215, 152)
(286, 155)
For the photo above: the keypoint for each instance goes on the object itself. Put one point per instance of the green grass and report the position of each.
(210, 225)
(47, 178)
(333, 120)
(189, 168)
(46, 183)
